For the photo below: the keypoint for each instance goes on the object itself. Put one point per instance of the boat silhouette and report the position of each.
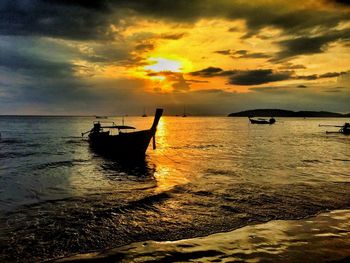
(262, 121)
(184, 114)
(123, 144)
(344, 129)
(144, 113)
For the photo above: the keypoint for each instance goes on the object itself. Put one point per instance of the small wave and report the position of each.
(231, 209)
(311, 161)
(219, 172)
(203, 193)
(201, 146)
(146, 202)
(57, 164)
(33, 145)
(71, 141)
(11, 141)
(10, 155)
(342, 160)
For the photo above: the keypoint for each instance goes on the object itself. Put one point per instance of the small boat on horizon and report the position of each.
(144, 113)
(262, 121)
(123, 144)
(184, 114)
(101, 117)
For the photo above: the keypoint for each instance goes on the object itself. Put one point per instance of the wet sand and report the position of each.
(323, 238)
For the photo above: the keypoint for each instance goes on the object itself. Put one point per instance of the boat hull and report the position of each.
(270, 121)
(258, 122)
(342, 131)
(133, 144)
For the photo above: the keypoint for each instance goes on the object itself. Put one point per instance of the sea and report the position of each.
(215, 189)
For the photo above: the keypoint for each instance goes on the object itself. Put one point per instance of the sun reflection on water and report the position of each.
(167, 174)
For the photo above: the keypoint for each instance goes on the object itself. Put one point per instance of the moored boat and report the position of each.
(262, 121)
(344, 129)
(144, 113)
(123, 144)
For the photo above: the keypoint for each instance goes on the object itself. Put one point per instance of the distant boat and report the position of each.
(101, 117)
(124, 144)
(184, 115)
(144, 113)
(344, 129)
(262, 121)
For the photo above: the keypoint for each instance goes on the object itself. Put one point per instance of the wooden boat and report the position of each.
(344, 129)
(262, 121)
(123, 144)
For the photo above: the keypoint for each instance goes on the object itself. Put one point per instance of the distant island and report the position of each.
(286, 113)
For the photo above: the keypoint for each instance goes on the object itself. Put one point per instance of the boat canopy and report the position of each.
(119, 127)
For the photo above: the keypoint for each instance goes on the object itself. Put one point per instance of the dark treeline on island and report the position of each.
(286, 113)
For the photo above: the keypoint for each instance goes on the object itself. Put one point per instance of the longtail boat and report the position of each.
(344, 129)
(123, 144)
(261, 121)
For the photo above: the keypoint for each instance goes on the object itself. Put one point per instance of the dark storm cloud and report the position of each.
(257, 77)
(32, 66)
(242, 54)
(101, 5)
(309, 45)
(53, 19)
(245, 77)
(303, 46)
(308, 77)
(322, 76)
(332, 74)
(79, 19)
(208, 72)
(38, 59)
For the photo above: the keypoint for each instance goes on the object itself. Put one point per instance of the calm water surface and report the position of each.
(208, 175)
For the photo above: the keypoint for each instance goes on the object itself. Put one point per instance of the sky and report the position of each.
(212, 57)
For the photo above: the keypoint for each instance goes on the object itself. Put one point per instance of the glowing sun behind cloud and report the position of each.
(166, 72)
(168, 64)
(164, 64)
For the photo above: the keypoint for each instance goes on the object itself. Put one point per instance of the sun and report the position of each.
(164, 64)
(164, 71)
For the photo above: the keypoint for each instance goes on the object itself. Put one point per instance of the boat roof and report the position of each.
(119, 127)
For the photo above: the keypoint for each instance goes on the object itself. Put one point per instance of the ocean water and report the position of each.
(208, 175)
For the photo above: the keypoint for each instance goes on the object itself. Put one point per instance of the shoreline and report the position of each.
(323, 238)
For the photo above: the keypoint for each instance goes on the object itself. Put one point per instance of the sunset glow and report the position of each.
(163, 64)
(201, 53)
